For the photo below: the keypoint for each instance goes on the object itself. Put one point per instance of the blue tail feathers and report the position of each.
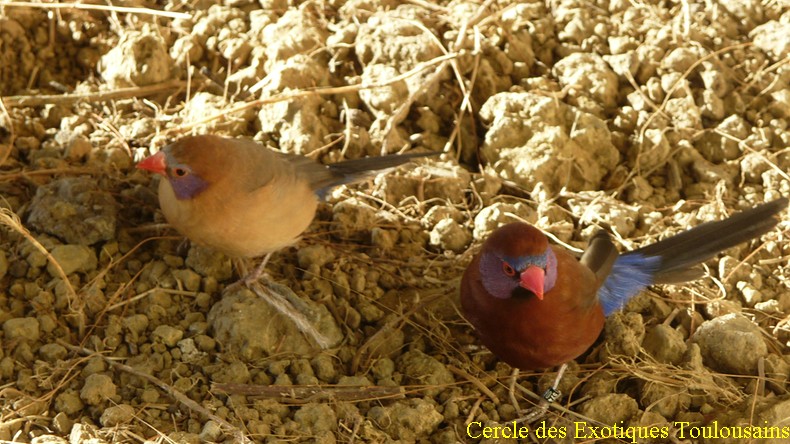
(673, 260)
(630, 274)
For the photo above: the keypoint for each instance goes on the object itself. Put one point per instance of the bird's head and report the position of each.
(190, 164)
(517, 260)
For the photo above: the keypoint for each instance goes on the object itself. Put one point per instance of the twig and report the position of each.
(100, 96)
(175, 394)
(84, 6)
(11, 220)
(475, 381)
(6, 177)
(473, 410)
(307, 394)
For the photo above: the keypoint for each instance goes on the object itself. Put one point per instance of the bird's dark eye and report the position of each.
(179, 172)
(508, 269)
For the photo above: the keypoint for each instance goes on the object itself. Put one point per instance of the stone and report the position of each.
(731, 344)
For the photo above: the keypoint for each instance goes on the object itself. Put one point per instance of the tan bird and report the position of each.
(240, 198)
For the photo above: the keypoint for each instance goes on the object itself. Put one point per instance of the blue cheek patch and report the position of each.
(187, 187)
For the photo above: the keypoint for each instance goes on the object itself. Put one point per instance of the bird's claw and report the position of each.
(534, 414)
(537, 412)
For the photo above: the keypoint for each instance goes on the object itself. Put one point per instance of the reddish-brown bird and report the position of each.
(536, 306)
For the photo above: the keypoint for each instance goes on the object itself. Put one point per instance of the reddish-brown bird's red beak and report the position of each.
(532, 280)
(155, 164)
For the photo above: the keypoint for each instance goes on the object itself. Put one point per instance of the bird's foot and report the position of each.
(259, 272)
(251, 278)
(535, 413)
(183, 247)
(284, 300)
(512, 389)
(551, 395)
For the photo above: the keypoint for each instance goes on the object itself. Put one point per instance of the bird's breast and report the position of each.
(528, 333)
(241, 224)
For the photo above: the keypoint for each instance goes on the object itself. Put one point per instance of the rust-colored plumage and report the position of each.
(529, 333)
(515, 240)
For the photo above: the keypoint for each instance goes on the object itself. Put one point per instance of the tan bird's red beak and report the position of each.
(154, 163)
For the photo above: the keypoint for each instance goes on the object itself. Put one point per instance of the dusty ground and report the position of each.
(644, 117)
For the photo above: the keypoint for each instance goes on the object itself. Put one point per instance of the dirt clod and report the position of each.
(75, 211)
(731, 343)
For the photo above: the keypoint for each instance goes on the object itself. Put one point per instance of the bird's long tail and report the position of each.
(675, 259)
(685, 250)
(350, 171)
(353, 170)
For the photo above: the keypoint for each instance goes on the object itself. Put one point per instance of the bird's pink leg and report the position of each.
(288, 303)
(259, 271)
(552, 394)
(512, 389)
